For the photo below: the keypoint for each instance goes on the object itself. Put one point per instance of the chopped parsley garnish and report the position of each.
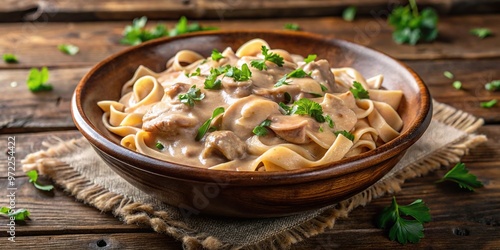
(193, 94)
(239, 75)
(410, 26)
(19, 214)
(211, 82)
(310, 58)
(448, 74)
(330, 122)
(358, 91)
(349, 13)
(197, 72)
(137, 33)
(345, 133)
(159, 146)
(305, 106)
(271, 57)
(488, 104)
(493, 85)
(68, 49)
(206, 125)
(323, 88)
(33, 178)
(292, 26)
(298, 73)
(10, 58)
(461, 175)
(402, 229)
(37, 80)
(261, 129)
(481, 32)
(457, 84)
(216, 55)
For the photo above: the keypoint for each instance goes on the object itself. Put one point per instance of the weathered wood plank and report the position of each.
(35, 43)
(455, 211)
(92, 10)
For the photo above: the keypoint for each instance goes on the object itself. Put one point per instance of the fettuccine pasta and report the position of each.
(256, 109)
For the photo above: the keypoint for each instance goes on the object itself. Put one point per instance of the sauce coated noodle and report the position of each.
(161, 114)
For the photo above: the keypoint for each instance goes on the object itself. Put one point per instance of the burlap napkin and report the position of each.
(74, 166)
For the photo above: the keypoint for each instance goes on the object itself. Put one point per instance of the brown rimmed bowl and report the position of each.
(248, 194)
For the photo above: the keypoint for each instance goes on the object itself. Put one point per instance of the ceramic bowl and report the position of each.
(249, 194)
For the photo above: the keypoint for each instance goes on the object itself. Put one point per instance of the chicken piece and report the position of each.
(224, 143)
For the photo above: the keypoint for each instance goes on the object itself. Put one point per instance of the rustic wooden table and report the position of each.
(33, 29)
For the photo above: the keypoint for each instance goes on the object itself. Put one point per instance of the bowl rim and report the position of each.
(178, 171)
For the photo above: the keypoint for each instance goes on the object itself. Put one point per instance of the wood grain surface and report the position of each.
(461, 219)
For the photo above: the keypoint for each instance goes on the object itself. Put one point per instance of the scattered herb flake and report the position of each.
(481, 32)
(358, 91)
(33, 178)
(193, 94)
(410, 26)
(349, 13)
(401, 229)
(10, 58)
(68, 49)
(460, 174)
(19, 214)
(216, 55)
(197, 72)
(37, 80)
(345, 133)
(206, 125)
(159, 146)
(310, 58)
(448, 74)
(298, 73)
(271, 57)
(292, 26)
(261, 129)
(239, 75)
(493, 85)
(306, 106)
(457, 85)
(329, 121)
(488, 104)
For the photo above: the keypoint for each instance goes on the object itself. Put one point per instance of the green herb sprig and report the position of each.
(291, 26)
(401, 229)
(19, 214)
(298, 73)
(488, 104)
(349, 13)
(206, 125)
(271, 57)
(33, 178)
(261, 129)
(239, 75)
(68, 49)
(460, 174)
(481, 32)
(345, 133)
(10, 58)
(193, 94)
(493, 85)
(310, 58)
(37, 80)
(358, 91)
(410, 26)
(216, 55)
(306, 106)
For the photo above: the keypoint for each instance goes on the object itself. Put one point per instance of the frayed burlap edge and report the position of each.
(144, 214)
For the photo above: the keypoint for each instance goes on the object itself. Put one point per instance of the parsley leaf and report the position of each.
(239, 75)
(292, 26)
(298, 73)
(33, 178)
(493, 85)
(358, 91)
(330, 122)
(197, 72)
(216, 55)
(37, 80)
(159, 146)
(137, 33)
(481, 32)
(345, 133)
(211, 82)
(457, 85)
(401, 229)
(10, 58)
(206, 125)
(461, 175)
(68, 49)
(488, 104)
(271, 57)
(19, 214)
(261, 129)
(410, 26)
(310, 58)
(193, 94)
(349, 13)
(306, 106)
